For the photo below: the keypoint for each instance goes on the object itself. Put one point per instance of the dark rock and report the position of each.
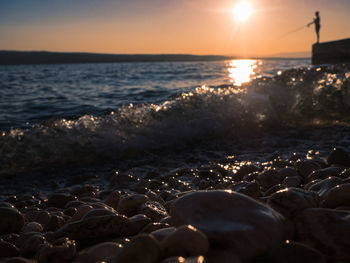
(136, 224)
(11, 220)
(339, 156)
(8, 250)
(60, 200)
(290, 201)
(141, 249)
(94, 229)
(224, 216)
(60, 251)
(98, 253)
(337, 196)
(29, 243)
(325, 230)
(324, 173)
(306, 167)
(292, 252)
(128, 205)
(185, 241)
(153, 210)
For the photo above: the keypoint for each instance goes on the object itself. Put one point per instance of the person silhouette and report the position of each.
(317, 22)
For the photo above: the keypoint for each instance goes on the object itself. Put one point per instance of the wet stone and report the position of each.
(17, 260)
(61, 250)
(199, 259)
(153, 210)
(250, 220)
(290, 201)
(153, 227)
(32, 227)
(292, 181)
(55, 223)
(94, 229)
(141, 249)
(251, 189)
(185, 241)
(99, 252)
(29, 243)
(160, 234)
(306, 167)
(136, 224)
(321, 187)
(340, 157)
(11, 220)
(268, 178)
(128, 205)
(113, 199)
(290, 252)
(60, 200)
(324, 173)
(337, 196)
(325, 230)
(7, 249)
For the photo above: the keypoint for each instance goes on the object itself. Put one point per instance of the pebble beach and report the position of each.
(261, 182)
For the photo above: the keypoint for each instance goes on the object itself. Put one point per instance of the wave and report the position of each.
(294, 98)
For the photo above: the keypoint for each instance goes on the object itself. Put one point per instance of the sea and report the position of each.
(162, 115)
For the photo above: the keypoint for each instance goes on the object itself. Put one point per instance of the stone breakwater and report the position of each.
(294, 209)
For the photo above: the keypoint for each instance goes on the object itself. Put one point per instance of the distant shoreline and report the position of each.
(46, 57)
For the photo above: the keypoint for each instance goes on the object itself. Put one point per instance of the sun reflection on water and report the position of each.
(242, 71)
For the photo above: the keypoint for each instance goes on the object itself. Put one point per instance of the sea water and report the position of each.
(69, 114)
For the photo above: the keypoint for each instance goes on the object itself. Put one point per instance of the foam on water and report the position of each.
(293, 98)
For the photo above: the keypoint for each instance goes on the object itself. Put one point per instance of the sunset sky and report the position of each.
(168, 26)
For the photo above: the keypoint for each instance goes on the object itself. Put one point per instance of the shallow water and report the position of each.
(92, 113)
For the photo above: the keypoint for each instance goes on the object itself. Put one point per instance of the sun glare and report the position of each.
(242, 11)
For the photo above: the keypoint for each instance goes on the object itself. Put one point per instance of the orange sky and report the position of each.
(168, 26)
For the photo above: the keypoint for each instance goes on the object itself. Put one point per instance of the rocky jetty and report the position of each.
(333, 52)
(294, 209)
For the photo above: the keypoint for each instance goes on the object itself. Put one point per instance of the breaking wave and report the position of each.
(293, 98)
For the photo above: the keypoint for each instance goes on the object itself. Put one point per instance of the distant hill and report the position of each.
(302, 54)
(44, 57)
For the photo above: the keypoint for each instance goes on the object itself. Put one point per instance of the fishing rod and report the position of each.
(296, 30)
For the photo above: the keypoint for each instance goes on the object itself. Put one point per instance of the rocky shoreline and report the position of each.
(286, 209)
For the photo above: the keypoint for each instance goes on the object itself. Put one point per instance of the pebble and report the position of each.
(199, 259)
(60, 200)
(8, 250)
(251, 189)
(337, 196)
(153, 210)
(292, 252)
(324, 173)
(160, 234)
(94, 229)
(339, 156)
(11, 220)
(32, 227)
(292, 181)
(291, 201)
(326, 230)
(29, 243)
(246, 219)
(113, 199)
(185, 241)
(129, 204)
(137, 223)
(321, 187)
(99, 252)
(269, 178)
(141, 249)
(306, 167)
(62, 250)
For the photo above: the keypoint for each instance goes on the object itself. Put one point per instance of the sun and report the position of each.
(242, 11)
